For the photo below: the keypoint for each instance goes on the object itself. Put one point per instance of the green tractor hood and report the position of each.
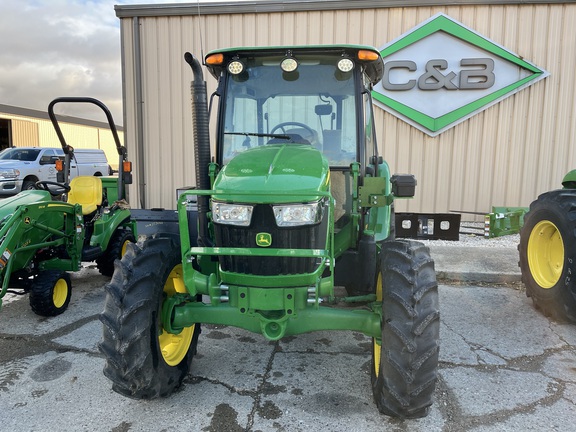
(280, 173)
(9, 205)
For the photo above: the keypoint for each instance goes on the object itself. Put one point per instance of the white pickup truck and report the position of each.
(22, 167)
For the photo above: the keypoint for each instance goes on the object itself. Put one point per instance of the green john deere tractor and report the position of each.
(547, 251)
(43, 237)
(295, 207)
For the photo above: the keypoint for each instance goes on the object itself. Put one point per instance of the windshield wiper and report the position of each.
(267, 135)
(291, 138)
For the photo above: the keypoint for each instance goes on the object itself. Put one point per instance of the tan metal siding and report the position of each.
(80, 136)
(505, 155)
(24, 133)
(130, 116)
(40, 133)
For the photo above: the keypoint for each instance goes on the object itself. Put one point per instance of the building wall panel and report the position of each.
(506, 155)
(38, 132)
(24, 133)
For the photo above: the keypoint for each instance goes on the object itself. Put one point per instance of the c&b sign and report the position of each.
(441, 73)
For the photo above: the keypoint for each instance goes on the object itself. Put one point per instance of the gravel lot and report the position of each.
(468, 238)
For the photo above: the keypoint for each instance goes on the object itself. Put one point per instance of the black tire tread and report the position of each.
(105, 262)
(129, 343)
(405, 385)
(41, 293)
(559, 302)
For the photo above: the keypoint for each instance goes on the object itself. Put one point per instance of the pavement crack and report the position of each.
(262, 387)
(554, 326)
(445, 402)
(462, 421)
(43, 343)
(195, 379)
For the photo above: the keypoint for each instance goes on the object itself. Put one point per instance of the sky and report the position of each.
(53, 48)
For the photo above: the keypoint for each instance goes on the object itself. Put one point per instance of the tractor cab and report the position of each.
(310, 98)
(304, 96)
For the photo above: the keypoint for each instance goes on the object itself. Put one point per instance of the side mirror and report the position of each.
(47, 160)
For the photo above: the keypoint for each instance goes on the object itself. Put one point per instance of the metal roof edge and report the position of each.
(43, 115)
(267, 6)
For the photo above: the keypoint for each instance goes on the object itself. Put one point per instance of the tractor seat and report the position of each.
(86, 191)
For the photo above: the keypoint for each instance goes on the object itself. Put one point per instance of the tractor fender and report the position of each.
(164, 223)
(106, 226)
(569, 180)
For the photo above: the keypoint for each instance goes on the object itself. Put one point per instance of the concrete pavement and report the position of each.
(476, 264)
(503, 367)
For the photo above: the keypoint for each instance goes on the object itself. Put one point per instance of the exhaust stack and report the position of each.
(201, 128)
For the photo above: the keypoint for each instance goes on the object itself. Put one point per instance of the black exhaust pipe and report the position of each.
(201, 128)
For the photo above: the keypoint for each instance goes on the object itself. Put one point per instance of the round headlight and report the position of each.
(345, 65)
(289, 64)
(235, 67)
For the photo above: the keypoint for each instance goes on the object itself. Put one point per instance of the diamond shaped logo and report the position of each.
(441, 73)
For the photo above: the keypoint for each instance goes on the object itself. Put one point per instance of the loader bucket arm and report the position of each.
(27, 230)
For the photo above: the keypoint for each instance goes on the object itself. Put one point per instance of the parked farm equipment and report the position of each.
(42, 237)
(548, 251)
(296, 203)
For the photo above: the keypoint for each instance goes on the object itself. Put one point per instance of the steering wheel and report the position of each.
(296, 124)
(61, 187)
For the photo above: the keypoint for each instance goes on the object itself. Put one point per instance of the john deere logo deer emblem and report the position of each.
(263, 239)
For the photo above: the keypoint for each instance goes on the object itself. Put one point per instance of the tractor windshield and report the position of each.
(313, 104)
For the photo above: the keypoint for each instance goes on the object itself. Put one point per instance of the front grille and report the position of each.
(302, 237)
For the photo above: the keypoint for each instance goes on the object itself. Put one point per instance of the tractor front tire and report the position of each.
(405, 361)
(50, 293)
(548, 254)
(116, 250)
(142, 360)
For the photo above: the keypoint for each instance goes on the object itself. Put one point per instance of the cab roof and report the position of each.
(373, 68)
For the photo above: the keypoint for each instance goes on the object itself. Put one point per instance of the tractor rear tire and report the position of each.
(50, 293)
(143, 361)
(548, 254)
(405, 364)
(116, 250)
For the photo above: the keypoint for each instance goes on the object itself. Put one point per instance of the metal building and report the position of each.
(504, 154)
(24, 127)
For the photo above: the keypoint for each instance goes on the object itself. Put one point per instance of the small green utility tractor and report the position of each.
(43, 237)
(548, 251)
(292, 219)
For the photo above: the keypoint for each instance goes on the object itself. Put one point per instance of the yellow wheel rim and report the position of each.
(175, 347)
(60, 293)
(124, 247)
(545, 253)
(376, 347)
